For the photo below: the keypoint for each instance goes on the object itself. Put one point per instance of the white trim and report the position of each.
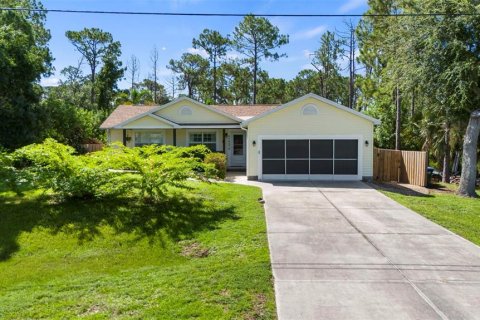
(358, 176)
(154, 116)
(317, 97)
(213, 127)
(217, 132)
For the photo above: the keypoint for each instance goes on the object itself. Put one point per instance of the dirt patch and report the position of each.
(194, 250)
(93, 310)
(258, 310)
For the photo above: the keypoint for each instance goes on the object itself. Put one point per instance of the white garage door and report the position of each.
(311, 159)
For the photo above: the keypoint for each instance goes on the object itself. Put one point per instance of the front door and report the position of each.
(237, 152)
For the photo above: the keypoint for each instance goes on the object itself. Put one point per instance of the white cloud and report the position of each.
(307, 53)
(201, 52)
(311, 33)
(50, 82)
(351, 5)
(164, 48)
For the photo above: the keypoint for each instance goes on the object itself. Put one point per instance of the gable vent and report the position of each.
(186, 111)
(309, 110)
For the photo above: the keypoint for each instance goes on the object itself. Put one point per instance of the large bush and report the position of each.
(219, 160)
(115, 170)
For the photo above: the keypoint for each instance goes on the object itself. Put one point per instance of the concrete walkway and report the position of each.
(346, 251)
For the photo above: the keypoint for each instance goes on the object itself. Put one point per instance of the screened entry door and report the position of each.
(316, 159)
(237, 153)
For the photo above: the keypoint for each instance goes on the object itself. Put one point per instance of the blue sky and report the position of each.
(173, 35)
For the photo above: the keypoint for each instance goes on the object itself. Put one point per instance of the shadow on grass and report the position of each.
(399, 189)
(178, 217)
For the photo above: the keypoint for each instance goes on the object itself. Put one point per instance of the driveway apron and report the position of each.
(345, 251)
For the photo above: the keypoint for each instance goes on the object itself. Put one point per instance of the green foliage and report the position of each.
(151, 170)
(24, 58)
(216, 46)
(191, 70)
(257, 38)
(98, 48)
(219, 160)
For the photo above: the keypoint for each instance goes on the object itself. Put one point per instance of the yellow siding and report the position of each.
(147, 123)
(329, 121)
(181, 137)
(115, 136)
(199, 114)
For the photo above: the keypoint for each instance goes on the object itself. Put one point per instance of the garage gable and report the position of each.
(310, 108)
(187, 111)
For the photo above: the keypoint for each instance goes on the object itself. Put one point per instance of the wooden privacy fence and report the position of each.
(400, 166)
(92, 147)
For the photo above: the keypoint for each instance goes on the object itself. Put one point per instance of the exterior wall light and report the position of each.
(254, 143)
(366, 143)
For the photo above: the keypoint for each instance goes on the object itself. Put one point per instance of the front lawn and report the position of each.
(459, 215)
(201, 254)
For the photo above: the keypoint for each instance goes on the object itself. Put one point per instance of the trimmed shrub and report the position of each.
(219, 160)
(113, 171)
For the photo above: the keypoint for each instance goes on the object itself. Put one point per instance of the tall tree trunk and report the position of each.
(214, 79)
(446, 154)
(255, 78)
(92, 89)
(351, 87)
(469, 157)
(398, 122)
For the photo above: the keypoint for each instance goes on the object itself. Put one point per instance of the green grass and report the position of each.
(459, 215)
(202, 254)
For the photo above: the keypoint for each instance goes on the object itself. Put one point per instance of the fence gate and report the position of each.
(401, 166)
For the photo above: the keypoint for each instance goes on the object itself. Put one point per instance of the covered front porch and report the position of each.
(230, 140)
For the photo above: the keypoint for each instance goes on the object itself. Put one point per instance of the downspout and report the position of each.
(246, 148)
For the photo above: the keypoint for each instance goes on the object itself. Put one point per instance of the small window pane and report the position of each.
(321, 166)
(209, 137)
(238, 144)
(297, 149)
(196, 137)
(346, 166)
(346, 149)
(321, 149)
(273, 166)
(297, 166)
(273, 149)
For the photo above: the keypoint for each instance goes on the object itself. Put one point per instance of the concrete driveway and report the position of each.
(345, 251)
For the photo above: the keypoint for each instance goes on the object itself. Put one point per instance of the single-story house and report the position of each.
(309, 138)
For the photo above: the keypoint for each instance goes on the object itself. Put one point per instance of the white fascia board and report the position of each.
(317, 97)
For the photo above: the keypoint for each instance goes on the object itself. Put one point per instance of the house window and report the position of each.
(143, 138)
(309, 110)
(209, 139)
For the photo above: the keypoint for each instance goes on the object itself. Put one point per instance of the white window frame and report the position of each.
(162, 132)
(202, 132)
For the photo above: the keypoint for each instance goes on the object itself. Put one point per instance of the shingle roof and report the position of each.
(123, 113)
(246, 111)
